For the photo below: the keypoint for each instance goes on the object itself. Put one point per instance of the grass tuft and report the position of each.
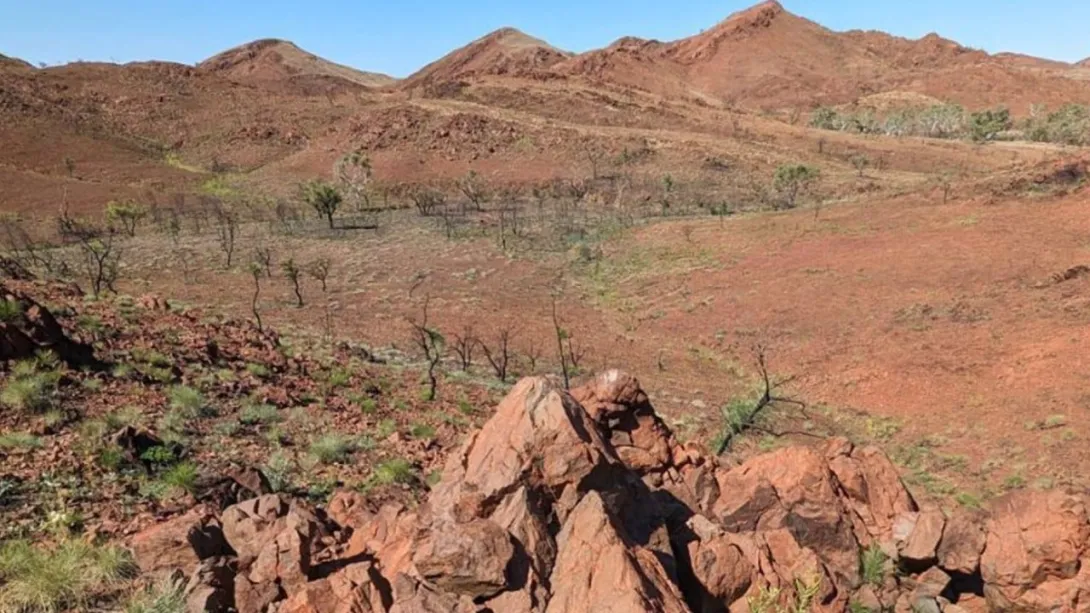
(69, 576)
(332, 448)
(19, 440)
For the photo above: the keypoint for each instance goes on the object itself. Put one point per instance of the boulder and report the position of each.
(962, 542)
(598, 569)
(353, 589)
(466, 559)
(1034, 544)
(920, 548)
(211, 586)
(180, 543)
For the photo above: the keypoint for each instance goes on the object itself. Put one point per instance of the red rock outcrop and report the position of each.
(584, 501)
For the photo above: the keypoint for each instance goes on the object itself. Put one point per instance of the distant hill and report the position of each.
(13, 62)
(505, 52)
(271, 61)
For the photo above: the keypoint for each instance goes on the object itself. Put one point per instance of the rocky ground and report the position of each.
(579, 500)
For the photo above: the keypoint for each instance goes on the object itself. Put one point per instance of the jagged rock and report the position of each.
(962, 542)
(597, 569)
(353, 589)
(931, 583)
(919, 549)
(717, 564)
(465, 558)
(617, 402)
(211, 586)
(791, 489)
(875, 493)
(35, 331)
(386, 536)
(1034, 544)
(180, 543)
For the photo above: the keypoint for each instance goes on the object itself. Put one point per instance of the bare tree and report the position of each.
(292, 274)
(533, 354)
(474, 188)
(426, 199)
(431, 343)
(499, 355)
(226, 231)
(562, 353)
(70, 166)
(463, 346)
(742, 416)
(263, 257)
(860, 162)
(255, 272)
(99, 248)
(594, 156)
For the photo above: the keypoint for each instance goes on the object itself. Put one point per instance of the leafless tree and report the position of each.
(594, 156)
(499, 355)
(99, 248)
(263, 257)
(562, 353)
(533, 353)
(464, 344)
(292, 274)
(226, 231)
(255, 272)
(431, 343)
(426, 199)
(475, 189)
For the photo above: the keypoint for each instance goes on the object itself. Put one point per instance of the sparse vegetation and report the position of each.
(872, 565)
(41, 579)
(331, 448)
(324, 198)
(792, 181)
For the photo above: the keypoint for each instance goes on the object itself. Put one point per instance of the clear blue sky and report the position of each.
(399, 36)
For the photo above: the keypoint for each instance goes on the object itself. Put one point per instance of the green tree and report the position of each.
(985, 125)
(791, 180)
(324, 198)
(127, 214)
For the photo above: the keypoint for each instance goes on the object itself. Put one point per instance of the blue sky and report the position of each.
(399, 36)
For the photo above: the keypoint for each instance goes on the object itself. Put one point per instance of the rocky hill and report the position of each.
(276, 63)
(506, 52)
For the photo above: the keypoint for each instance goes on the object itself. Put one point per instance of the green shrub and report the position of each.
(255, 414)
(160, 456)
(1069, 125)
(986, 125)
(187, 400)
(385, 428)
(397, 471)
(338, 378)
(422, 431)
(19, 440)
(259, 370)
(279, 471)
(182, 476)
(10, 311)
(165, 596)
(331, 448)
(31, 386)
(69, 576)
(872, 565)
(791, 181)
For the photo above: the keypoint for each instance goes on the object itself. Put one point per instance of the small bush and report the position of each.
(30, 387)
(338, 378)
(986, 125)
(385, 428)
(279, 471)
(68, 576)
(256, 414)
(165, 596)
(173, 426)
(259, 370)
(10, 311)
(187, 400)
(19, 440)
(872, 565)
(331, 448)
(396, 471)
(422, 431)
(182, 477)
(160, 456)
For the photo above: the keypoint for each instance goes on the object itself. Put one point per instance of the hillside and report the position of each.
(272, 62)
(506, 52)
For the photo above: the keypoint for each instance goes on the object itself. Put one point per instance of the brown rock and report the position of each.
(350, 590)
(919, 549)
(180, 543)
(962, 543)
(597, 570)
(211, 586)
(249, 525)
(616, 401)
(466, 559)
(717, 563)
(1034, 543)
(931, 583)
(388, 538)
(348, 509)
